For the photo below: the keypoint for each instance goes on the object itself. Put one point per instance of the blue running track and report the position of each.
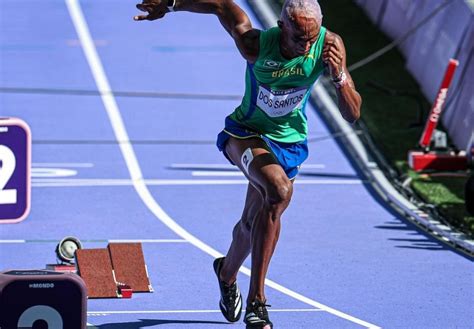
(344, 260)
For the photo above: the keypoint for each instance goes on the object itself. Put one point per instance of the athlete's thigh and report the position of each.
(256, 161)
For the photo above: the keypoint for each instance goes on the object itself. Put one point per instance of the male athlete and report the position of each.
(266, 135)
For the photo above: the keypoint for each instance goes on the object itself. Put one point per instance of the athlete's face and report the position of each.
(298, 35)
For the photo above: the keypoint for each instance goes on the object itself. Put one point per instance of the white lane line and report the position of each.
(135, 171)
(229, 166)
(63, 165)
(148, 241)
(217, 173)
(177, 182)
(206, 173)
(104, 313)
(101, 240)
(203, 166)
(313, 166)
(52, 172)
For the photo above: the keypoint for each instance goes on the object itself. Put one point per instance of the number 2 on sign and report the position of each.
(7, 167)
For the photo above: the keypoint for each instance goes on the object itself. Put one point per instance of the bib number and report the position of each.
(277, 103)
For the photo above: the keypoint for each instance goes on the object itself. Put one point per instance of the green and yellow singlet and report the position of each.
(277, 89)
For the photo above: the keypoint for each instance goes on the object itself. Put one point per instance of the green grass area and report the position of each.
(392, 116)
(447, 193)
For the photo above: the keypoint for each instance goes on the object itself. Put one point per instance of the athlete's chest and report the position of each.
(275, 72)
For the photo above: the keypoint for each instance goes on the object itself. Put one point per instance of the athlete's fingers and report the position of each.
(329, 45)
(336, 57)
(142, 7)
(334, 53)
(332, 45)
(150, 17)
(333, 60)
(333, 50)
(155, 15)
(140, 17)
(333, 67)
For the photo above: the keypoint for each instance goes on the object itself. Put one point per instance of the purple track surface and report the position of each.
(340, 247)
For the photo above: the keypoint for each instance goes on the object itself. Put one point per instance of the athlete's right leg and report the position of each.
(241, 239)
(226, 268)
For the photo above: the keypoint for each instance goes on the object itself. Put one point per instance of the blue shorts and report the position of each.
(289, 155)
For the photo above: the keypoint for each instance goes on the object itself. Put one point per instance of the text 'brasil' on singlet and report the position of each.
(277, 89)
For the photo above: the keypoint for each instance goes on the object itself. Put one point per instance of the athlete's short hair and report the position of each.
(305, 8)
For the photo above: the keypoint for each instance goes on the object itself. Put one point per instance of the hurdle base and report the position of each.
(442, 161)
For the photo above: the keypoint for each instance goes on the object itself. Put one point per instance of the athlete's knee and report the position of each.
(278, 193)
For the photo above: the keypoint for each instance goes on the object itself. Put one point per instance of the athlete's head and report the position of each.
(300, 22)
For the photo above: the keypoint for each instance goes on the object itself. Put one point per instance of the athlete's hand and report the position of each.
(155, 8)
(333, 55)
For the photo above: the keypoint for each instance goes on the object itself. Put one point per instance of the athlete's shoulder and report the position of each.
(268, 39)
(249, 45)
(270, 34)
(275, 30)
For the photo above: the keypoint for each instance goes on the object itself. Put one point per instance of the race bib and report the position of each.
(277, 103)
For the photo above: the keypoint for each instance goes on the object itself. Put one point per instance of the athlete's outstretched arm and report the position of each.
(231, 16)
(334, 54)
